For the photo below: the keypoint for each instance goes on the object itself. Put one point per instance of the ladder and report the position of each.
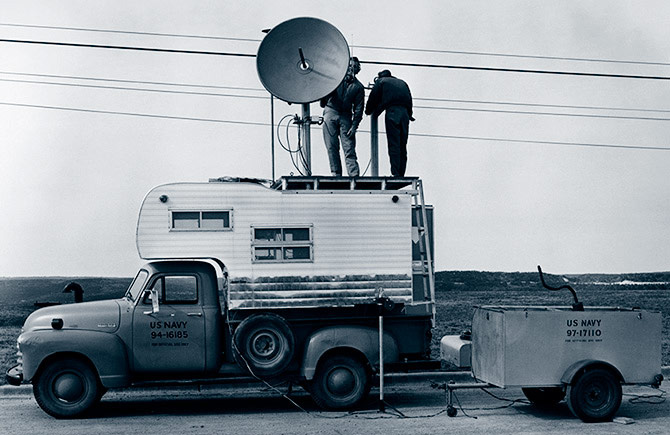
(427, 267)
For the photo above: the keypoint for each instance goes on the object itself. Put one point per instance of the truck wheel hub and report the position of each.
(341, 381)
(68, 387)
(264, 345)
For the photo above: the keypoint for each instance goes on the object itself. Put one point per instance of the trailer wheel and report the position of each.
(264, 344)
(66, 388)
(340, 382)
(544, 396)
(595, 395)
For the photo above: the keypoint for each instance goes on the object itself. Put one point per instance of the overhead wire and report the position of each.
(242, 88)
(372, 62)
(372, 47)
(259, 97)
(427, 135)
(164, 91)
(143, 82)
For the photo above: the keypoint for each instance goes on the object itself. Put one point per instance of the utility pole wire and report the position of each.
(124, 47)
(371, 62)
(242, 88)
(264, 124)
(352, 45)
(265, 98)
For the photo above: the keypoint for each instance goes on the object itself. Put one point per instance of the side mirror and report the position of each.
(153, 295)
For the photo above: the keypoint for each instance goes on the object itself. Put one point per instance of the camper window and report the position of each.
(201, 220)
(282, 244)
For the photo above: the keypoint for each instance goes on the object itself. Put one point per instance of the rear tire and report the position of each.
(544, 396)
(264, 344)
(595, 395)
(340, 382)
(66, 388)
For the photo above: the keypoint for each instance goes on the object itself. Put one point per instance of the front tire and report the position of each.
(66, 388)
(340, 382)
(595, 395)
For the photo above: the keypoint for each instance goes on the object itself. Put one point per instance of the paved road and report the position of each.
(253, 412)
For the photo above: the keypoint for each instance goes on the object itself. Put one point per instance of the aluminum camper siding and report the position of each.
(361, 241)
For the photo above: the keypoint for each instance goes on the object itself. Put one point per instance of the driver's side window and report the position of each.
(174, 289)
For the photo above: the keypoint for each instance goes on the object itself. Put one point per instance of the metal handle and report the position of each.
(194, 314)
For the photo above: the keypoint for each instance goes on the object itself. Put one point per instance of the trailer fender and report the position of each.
(575, 368)
(105, 351)
(358, 338)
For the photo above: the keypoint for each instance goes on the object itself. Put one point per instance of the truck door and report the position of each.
(171, 340)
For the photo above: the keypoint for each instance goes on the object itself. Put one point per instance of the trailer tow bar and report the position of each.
(451, 386)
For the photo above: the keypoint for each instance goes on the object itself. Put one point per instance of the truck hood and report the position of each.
(101, 316)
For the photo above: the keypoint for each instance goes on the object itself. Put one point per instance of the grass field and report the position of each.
(454, 302)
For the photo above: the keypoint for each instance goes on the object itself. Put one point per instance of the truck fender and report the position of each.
(575, 368)
(359, 338)
(105, 351)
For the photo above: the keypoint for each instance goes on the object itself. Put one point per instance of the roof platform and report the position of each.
(344, 183)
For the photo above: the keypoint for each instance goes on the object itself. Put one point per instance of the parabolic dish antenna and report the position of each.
(302, 60)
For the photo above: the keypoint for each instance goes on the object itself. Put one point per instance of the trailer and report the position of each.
(581, 354)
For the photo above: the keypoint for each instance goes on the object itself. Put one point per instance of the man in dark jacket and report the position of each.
(392, 95)
(342, 113)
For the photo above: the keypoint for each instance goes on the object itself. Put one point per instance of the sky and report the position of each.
(513, 186)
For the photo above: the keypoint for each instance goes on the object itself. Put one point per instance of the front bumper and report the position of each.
(14, 376)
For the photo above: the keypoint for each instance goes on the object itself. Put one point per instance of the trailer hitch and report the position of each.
(577, 306)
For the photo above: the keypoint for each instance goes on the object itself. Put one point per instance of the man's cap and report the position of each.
(384, 73)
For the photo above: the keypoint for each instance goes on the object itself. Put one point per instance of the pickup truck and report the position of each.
(173, 323)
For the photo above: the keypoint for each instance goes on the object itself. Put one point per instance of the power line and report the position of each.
(428, 135)
(163, 91)
(242, 88)
(372, 62)
(543, 142)
(214, 94)
(124, 47)
(558, 106)
(186, 85)
(521, 112)
(516, 70)
(144, 115)
(372, 47)
(518, 56)
(127, 32)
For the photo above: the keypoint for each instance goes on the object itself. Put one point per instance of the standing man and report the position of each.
(342, 113)
(392, 95)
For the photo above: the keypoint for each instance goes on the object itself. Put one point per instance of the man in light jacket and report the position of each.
(342, 113)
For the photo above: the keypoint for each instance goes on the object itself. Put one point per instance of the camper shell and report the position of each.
(299, 242)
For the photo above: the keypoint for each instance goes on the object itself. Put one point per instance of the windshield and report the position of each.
(137, 285)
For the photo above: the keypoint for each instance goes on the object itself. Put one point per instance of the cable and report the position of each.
(560, 106)
(451, 100)
(212, 94)
(102, 79)
(518, 56)
(127, 32)
(519, 112)
(125, 47)
(516, 70)
(373, 47)
(541, 142)
(144, 115)
(438, 136)
(79, 85)
(373, 62)
(653, 399)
